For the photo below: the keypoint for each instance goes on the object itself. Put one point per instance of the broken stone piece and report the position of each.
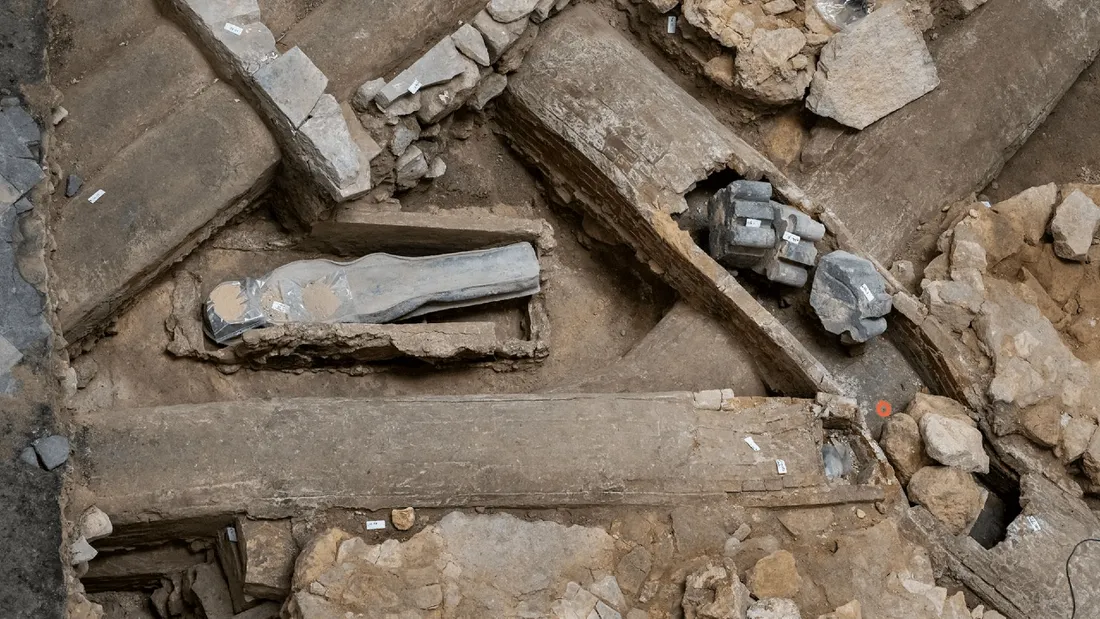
(1073, 226)
(498, 37)
(470, 42)
(505, 11)
(849, 296)
(209, 591)
(954, 443)
(851, 610)
(773, 608)
(436, 169)
(94, 524)
(404, 134)
(1076, 438)
(440, 101)
(902, 444)
(292, 84)
(767, 69)
(53, 451)
(81, 551)
(411, 167)
(490, 88)
(267, 552)
(373, 289)
(403, 519)
(409, 104)
(366, 93)
(775, 576)
(715, 591)
(607, 589)
(951, 495)
(327, 143)
(872, 68)
(73, 185)
(438, 65)
(777, 7)
(729, 23)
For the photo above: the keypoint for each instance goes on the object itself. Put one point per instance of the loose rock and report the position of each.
(874, 67)
(715, 592)
(954, 443)
(1076, 438)
(851, 610)
(366, 93)
(53, 451)
(94, 524)
(774, 608)
(505, 11)
(901, 441)
(729, 23)
(437, 168)
(771, 69)
(498, 37)
(607, 589)
(951, 495)
(776, 7)
(470, 42)
(73, 185)
(1074, 224)
(411, 167)
(490, 88)
(775, 576)
(403, 519)
(82, 551)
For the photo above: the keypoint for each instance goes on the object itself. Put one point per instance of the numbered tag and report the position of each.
(235, 29)
(95, 196)
(752, 443)
(672, 24)
(231, 533)
(374, 525)
(279, 306)
(866, 292)
(793, 239)
(415, 87)
(781, 466)
(1033, 522)
(752, 223)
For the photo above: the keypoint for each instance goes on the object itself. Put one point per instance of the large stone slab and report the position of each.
(1001, 71)
(438, 65)
(164, 194)
(872, 68)
(290, 85)
(129, 92)
(594, 113)
(280, 456)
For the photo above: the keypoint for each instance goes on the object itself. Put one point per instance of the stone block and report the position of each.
(505, 11)
(327, 144)
(499, 37)
(951, 495)
(438, 65)
(952, 442)
(53, 451)
(440, 101)
(291, 85)
(488, 89)
(268, 552)
(470, 42)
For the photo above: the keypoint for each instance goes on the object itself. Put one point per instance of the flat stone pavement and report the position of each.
(279, 457)
(1002, 70)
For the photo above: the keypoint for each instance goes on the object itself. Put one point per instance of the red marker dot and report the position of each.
(883, 408)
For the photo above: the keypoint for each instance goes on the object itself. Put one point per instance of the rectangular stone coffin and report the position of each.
(274, 458)
(357, 230)
(606, 124)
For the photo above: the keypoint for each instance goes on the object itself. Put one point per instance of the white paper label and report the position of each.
(781, 466)
(374, 525)
(752, 223)
(235, 29)
(415, 86)
(672, 24)
(867, 292)
(1033, 522)
(97, 195)
(986, 204)
(752, 443)
(231, 533)
(793, 239)
(278, 306)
